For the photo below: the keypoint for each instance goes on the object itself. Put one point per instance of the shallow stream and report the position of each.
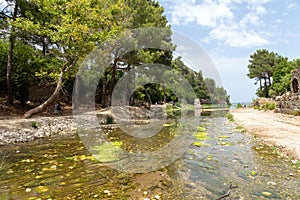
(223, 160)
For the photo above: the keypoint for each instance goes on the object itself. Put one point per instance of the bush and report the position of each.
(109, 119)
(270, 105)
(177, 104)
(34, 124)
(230, 117)
(295, 112)
(264, 104)
(239, 105)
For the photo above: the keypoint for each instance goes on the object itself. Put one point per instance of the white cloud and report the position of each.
(250, 19)
(209, 13)
(235, 37)
(292, 6)
(235, 23)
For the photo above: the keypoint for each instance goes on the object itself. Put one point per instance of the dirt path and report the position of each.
(275, 128)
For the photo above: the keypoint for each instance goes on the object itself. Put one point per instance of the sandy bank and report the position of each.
(274, 128)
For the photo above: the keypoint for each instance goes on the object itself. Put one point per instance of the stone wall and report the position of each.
(288, 103)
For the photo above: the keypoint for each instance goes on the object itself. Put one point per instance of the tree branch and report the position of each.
(70, 66)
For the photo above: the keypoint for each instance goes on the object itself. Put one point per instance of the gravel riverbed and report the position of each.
(22, 130)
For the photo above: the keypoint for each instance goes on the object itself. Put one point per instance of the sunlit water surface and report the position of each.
(224, 159)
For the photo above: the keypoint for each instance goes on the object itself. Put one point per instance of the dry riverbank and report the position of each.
(274, 128)
(14, 129)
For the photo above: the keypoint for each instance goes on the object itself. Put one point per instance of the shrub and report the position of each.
(295, 112)
(270, 105)
(264, 104)
(230, 117)
(177, 104)
(241, 129)
(256, 107)
(34, 124)
(239, 105)
(109, 119)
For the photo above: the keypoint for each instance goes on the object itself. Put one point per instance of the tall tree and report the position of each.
(75, 28)
(261, 68)
(12, 16)
(11, 11)
(139, 14)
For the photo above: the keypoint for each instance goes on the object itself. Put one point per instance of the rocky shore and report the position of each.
(17, 129)
(22, 130)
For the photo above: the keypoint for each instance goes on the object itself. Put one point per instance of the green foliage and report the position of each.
(230, 117)
(241, 129)
(217, 95)
(270, 105)
(282, 77)
(261, 68)
(264, 104)
(177, 105)
(109, 119)
(272, 71)
(23, 68)
(69, 30)
(173, 113)
(3, 62)
(204, 89)
(35, 124)
(52, 35)
(295, 112)
(239, 105)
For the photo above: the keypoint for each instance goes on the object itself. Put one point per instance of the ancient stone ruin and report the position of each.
(289, 103)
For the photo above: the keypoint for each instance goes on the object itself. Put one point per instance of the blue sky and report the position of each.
(229, 31)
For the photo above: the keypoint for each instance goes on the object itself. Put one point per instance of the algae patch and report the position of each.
(108, 151)
(201, 135)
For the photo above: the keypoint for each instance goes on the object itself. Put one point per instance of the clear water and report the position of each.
(61, 168)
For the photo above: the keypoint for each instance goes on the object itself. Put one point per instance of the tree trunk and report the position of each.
(103, 100)
(55, 94)
(44, 46)
(8, 71)
(132, 88)
(76, 90)
(265, 88)
(165, 95)
(270, 83)
(260, 85)
(9, 60)
(113, 77)
(44, 105)
(127, 88)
